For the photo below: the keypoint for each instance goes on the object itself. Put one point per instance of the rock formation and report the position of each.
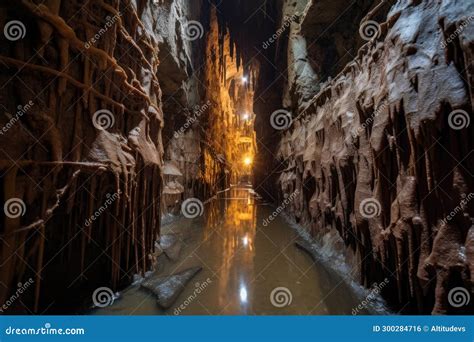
(167, 289)
(90, 139)
(382, 154)
(114, 112)
(95, 97)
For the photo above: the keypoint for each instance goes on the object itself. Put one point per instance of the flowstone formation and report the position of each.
(83, 162)
(113, 113)
(229, 135)
(381, 157)
(106, 113)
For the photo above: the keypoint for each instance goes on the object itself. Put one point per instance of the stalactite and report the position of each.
(387, 123)
(84, 166)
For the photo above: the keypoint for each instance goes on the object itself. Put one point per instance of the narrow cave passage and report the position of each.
(209, 157)
(244, 259)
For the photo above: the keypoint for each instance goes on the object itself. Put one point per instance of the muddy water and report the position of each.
(243, 262)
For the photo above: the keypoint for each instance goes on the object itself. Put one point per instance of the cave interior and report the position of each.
(115, 112)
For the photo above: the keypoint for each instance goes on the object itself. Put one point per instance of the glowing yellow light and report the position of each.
(248, 161)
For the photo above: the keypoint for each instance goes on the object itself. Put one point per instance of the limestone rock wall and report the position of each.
(382, 156)
(81, 158)
(229, 130)
(180, 71)
(191, 99)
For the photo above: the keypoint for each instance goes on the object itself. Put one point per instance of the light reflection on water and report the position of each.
(245, 262)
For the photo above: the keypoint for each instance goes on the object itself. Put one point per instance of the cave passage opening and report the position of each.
(272, 120)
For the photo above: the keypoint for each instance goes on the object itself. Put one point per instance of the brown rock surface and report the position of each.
(98, 93)
(167, 289)
(381, 131)
(91, 141)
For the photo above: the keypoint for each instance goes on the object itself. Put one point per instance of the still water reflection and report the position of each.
(243, 261)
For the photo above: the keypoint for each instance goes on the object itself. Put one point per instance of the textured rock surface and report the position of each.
(201, 99)
(92, 194)
(167, 289)
(380, 131)
(228, 134)
(171, 245)
(372, 125)
(180, 72)
(76, 59)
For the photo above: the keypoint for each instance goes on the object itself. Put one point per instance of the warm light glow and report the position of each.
(246, 116)
(245, 79)
(248, 161)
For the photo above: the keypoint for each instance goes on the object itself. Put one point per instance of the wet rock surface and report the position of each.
(171, 245)
(306, 247)
(85, 158)
(167, 289)
(376, 157)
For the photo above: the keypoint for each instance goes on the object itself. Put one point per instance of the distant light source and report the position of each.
(243, 294)
(244, 79)
(246, 116)
(248, 161)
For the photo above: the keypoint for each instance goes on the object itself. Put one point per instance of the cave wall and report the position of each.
(82, 156)
(203, 99)
(380, 161)
(89, 89)
(99, 99)
(182, 39)
(229, 132)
